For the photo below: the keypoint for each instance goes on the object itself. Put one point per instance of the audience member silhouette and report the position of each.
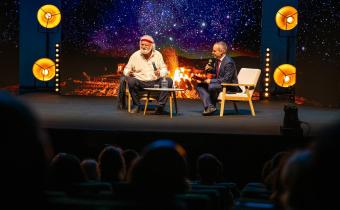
(297, 181)
(210, 169)
(310, 178)
(25, 153)
(130, 156)
(278, 162)
(65, 173)
(111, 164)
(160, 174)
(90, 169)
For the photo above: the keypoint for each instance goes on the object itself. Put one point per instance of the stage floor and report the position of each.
(100, 113)
(82, 125)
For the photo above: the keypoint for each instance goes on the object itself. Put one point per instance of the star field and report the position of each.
(318, 32)
(9, 27)
(112, 28)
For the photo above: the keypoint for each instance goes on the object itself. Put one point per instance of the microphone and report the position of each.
(210, 62)
(154, 66)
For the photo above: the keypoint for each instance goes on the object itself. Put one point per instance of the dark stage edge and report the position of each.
(101, 114)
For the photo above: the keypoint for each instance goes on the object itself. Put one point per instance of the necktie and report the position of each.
(218, 67)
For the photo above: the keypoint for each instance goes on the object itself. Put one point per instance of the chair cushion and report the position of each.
(248, 76)
(238, 95)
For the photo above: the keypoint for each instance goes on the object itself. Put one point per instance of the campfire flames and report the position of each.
(181, 76)
(182, 79)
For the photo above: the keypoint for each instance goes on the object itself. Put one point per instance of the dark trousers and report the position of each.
(136, 86)
(121, 100)
(209, 93)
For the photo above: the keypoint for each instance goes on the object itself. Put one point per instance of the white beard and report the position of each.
(145, 51)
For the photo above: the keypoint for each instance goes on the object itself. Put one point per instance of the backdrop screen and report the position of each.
(318, 52)
(9, 45)
(99, 36)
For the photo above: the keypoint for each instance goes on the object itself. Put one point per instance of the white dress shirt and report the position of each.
(143, 69)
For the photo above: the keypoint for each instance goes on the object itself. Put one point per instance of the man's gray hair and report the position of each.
(150, 39)
(222, 45)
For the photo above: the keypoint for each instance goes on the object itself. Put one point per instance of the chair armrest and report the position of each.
(248, 86)
(232, 84)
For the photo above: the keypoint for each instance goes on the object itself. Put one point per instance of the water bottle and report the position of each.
(164, 83)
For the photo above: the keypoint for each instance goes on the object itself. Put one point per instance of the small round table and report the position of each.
(172, 94)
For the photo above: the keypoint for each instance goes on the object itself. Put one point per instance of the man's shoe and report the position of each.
(134, 110)
(159, 110)
(209, 111)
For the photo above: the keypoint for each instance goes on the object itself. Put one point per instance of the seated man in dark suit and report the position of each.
(226, 72)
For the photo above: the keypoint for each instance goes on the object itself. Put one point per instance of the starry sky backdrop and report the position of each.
(9, 42)
(113, 27)
(318, 31)
(318, 52)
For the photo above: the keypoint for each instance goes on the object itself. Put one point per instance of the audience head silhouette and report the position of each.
(111, 164)
(310, 176)
(65, 172)
(25, 152)
(90, 169)
(297, 179)
(161, 170)
(130, 156)
(209, 169)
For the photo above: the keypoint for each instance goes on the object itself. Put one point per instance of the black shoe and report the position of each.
(159, 110)
(134, 110)
(209, 111)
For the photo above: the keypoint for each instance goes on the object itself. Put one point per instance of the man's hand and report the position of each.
(158, 72)
(207, 81)
(131, 74)
(208, 67)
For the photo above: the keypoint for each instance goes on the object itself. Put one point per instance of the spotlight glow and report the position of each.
(290, 20)
(45, 72)
(48, 15)
(286, 79)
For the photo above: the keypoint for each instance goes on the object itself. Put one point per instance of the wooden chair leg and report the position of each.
(251, 107)
(129, 102)
(222, 102)
(171, 105)
(146, 103)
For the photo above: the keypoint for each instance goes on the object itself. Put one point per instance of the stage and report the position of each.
(100, 113)
(82, 125)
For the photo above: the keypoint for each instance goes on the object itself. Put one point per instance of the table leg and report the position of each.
(175, 101)
(171, 95)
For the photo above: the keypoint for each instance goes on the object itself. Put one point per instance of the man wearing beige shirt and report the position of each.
(146, 68)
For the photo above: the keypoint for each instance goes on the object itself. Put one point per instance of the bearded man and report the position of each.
(146, 68)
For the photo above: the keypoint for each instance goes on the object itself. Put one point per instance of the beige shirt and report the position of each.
(143, 69)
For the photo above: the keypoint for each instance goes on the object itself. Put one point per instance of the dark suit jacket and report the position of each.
(227, 73)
